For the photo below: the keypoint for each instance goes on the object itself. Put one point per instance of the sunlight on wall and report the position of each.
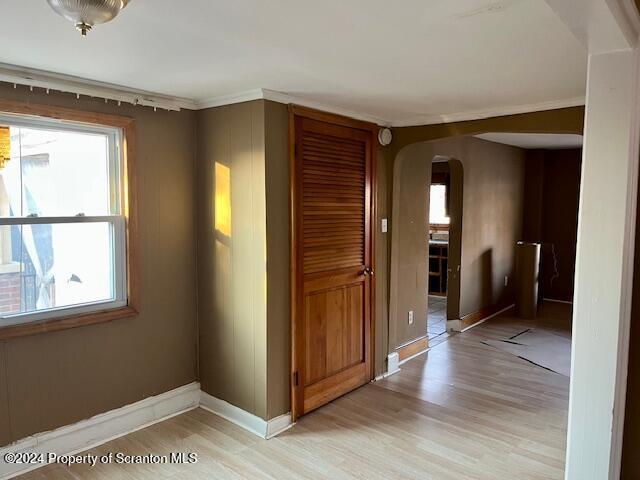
(223, 199)
(5, 145)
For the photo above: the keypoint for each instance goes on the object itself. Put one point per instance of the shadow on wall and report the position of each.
(409, 239)
(486, 274)
(456, 213)
(491, 199)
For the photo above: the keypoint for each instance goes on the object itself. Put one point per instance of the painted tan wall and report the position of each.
(492, 222)
(243, 286)
(97, 368)
(568, 120)
(384, 174)
(232, 283)
(409, 244)
(54, 379)
(278, 259)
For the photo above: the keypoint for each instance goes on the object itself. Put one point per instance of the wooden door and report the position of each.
(332, 180)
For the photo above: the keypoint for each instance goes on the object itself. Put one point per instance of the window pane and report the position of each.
(55, 173)
(55, 265)
(438, 205)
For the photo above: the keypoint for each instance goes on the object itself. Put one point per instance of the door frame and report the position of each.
(296, 271)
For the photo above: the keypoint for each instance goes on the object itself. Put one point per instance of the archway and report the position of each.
(410, 235)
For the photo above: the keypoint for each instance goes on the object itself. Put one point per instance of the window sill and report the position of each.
(11, 267)
(66, 322)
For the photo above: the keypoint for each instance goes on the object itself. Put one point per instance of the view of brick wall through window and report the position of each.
(10, 297)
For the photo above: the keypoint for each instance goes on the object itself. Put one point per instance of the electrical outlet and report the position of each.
(506, 280)
(410, 317)
(385, 225)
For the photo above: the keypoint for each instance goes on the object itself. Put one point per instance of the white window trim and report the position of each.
(116, 220)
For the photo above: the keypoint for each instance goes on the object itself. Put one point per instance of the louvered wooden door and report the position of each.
(332, 221)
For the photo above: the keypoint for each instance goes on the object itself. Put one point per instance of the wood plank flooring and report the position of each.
(462, 411)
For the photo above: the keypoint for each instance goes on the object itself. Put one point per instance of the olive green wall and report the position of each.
(58, 378)
(566, 120)
(232, 281)
(278, 259)
(54, 379)
(492, 222)
(243, 278)
(493, 185)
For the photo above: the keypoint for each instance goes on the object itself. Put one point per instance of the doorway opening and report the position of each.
(520, 188)
(439, 226)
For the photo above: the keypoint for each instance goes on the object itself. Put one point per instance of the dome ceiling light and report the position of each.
(86, 13)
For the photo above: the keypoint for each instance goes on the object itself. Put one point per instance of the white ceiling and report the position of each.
(403, 62)
(534, 140)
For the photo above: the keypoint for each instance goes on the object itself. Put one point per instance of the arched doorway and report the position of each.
(410, 245)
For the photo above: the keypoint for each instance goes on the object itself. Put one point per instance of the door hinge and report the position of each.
(296, 379)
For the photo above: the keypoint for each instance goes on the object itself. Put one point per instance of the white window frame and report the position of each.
(116, 219)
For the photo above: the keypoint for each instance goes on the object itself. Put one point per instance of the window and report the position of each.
(438, 205)
(63, 239)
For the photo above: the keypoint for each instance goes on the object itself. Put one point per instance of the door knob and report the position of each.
(368, 271)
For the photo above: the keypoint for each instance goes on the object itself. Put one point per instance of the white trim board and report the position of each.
(31, 77)
(393, 364)
(66, 83)
(103, 427)
(489, 113)
(242, 418)
(384, 375)
(454, 325)
(285, 98)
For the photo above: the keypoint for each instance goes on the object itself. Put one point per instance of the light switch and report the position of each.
(384, 225)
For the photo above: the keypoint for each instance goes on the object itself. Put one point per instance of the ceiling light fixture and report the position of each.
(86, 13)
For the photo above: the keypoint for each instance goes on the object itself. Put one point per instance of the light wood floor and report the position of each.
(462, 411)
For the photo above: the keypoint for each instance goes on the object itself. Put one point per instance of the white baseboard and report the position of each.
(277, 425)
(244, 419)
(102, 428)
(385, 375)
(454, 325)
(393, 366)
(393, 363)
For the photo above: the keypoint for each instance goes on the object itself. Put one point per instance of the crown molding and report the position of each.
(31, 77)
(70, 84)
(230, 99)
(489, 113)
(281, 97)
